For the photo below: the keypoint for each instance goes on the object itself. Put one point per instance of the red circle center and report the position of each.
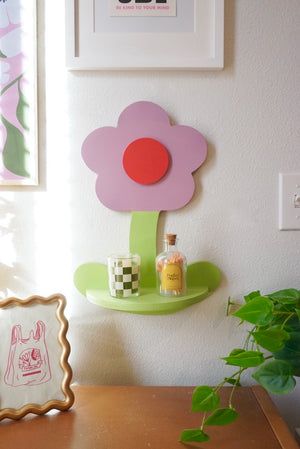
(146, 161)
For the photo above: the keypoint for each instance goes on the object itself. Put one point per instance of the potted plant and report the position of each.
(271, 348)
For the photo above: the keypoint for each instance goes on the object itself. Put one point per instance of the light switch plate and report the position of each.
(289, 201)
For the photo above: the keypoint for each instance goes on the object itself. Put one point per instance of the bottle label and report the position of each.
(171, 277)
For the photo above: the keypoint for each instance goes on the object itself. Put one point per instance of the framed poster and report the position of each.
(35, 374)
(145, 34)
(18, 93)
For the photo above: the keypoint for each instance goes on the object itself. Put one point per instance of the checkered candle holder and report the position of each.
(124, 275)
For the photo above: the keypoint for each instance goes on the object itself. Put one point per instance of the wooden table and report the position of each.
(147, 418)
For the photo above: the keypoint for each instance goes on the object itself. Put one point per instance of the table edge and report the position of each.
(277, 423)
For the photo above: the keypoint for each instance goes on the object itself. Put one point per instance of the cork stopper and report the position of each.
(171, 239)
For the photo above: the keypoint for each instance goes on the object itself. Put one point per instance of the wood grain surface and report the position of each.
(147, 418)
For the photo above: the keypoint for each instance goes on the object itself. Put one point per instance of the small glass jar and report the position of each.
(171, 269)
(124, 275)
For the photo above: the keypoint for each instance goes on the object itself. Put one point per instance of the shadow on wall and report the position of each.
(229, 32)
(288, 404)
(10, 281)
(98, 355)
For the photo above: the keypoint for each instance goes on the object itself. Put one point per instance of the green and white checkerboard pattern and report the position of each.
(124, 276)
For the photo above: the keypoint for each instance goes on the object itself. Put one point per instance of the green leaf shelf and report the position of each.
(91, 279)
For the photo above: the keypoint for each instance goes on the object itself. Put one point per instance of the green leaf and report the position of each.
(257, 311)
(272, 339)
(221, 417)
(276, 377)
(237, 351)
(252, 295)
(196, 435)
(294, 363)
(288, 296)
(2, 55)
(293, 344)
(298, 313)
(291, 352)
(232, 381)
(292, 325)
(15, 152)
(22, 109)
(204, 399)
(245, 359)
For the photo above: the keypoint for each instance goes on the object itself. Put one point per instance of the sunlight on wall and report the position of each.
(52, 207)
(8, 251)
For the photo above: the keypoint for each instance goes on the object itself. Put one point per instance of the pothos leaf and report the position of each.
(233, 381)
(252, 295)
(196, 435)
(258, 311)
(276, 377)
(288, 296)
(271, 339)
(236, 351)
(245, 359)
(15, 152)
(293, 323)
(221, 417)
(205, 399)
(291, 352)
(21, 108)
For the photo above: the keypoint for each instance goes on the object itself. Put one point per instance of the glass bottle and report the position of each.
(171, 269)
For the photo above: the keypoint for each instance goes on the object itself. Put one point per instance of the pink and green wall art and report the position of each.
(145, 165)
(18, 115)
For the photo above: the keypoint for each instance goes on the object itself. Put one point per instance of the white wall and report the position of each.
(249, 113)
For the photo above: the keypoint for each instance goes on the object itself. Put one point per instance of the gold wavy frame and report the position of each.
(69, 396)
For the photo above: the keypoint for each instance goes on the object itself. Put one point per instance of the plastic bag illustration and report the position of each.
(28, 360)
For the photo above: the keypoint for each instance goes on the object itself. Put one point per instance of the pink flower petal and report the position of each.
(103, 152)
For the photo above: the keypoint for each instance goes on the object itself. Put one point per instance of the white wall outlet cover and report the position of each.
(289, 201)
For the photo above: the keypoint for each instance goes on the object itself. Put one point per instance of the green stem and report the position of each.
(246, 345)
(220, 385)
(284, 313)
(229, 303)
(203, 420)
(287, 319)
(234, 387)
(10, 84)
(247, 341)
(143, 242)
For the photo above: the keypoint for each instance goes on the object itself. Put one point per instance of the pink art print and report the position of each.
(17, 94)
(28, 360)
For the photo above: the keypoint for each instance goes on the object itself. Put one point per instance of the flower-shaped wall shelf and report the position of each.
(145, 166)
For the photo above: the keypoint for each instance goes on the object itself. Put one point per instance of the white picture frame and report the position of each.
(88, 48)
(35, 374)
